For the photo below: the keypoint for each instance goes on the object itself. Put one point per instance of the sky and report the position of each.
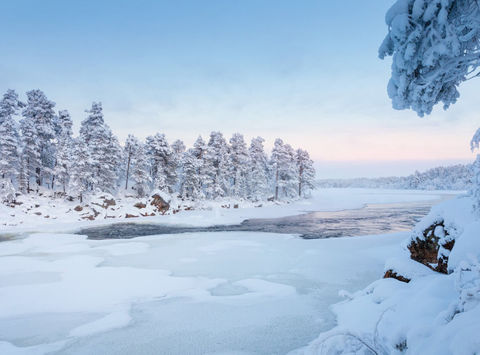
(306, 71)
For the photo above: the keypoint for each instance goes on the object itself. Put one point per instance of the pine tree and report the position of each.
(140, 171)
(80, 173)
(191, 184)
(9, 137)
(162, 159)
(9, 105)
(178, 148)
(40, 110)
(435, 46)
(306, 172)
(238, 165)
(199, 151)
(289, 174)
(64, 149)
(257, 170)
(284, 169)
(30, 151)
(216, 166)
(104, 150)
(131, 144)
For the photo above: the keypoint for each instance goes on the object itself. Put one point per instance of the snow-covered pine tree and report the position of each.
(9, 105)
(199, 150)
(190, 182)
(104, 150)
(289, 174)
(284, 169)
(306, 172)
(238, 166)
(131, 144)
(40, 110)
(80, 172)
(216, 164)
(435, 46)
(30, 154)
(277, 159)
(140, 170)
(178, 148)
(64, 149)
(258, 185)
(9, 137)
(162, 160)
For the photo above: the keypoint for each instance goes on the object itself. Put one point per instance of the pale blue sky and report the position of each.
(306, 71)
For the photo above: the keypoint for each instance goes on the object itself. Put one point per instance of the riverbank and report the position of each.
(211, 213)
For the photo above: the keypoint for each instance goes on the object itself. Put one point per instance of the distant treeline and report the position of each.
(455, 177)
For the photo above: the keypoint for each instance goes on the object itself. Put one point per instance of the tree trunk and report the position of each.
(300, 176)
(128, 170)
(39, 180)
(276, 184)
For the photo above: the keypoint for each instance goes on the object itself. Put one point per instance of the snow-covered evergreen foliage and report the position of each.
(306, 172)
(258, 181)
(284, 166)
(435, 46)
(104, 150)
(64, 149)
(40, 111)
(39, 150)
(238, 165)
(9, 137)
(216, 161)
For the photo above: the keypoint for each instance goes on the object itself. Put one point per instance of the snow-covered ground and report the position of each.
(198, 293)
(206, 213)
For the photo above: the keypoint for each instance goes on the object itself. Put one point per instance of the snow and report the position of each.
(240, 292)
(62, 216)
(434, 313)
(223, 292)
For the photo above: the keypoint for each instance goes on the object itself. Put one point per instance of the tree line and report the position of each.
(38, 149)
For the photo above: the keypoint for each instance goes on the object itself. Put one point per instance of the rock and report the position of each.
(271, 199)
(425, 249)
(104, 201)
(128, 215)
(140, 205)
(36, 205)
(78, 208)
(235, 205)
(392, 274)
(147, 214)
(91, 216)
(38, 213)
(159, 203)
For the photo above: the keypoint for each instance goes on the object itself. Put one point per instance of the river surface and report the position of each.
(369, 220)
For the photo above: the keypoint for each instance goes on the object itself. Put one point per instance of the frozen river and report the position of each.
(369, 220)
(239, 289)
